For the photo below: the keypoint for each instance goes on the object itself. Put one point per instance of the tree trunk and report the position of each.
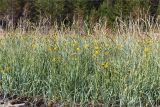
(95, 3)
(153, 9)
(111, 3)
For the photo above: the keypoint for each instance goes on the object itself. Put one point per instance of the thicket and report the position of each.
(89, 10)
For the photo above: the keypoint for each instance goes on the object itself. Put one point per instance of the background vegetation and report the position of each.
(82, 10)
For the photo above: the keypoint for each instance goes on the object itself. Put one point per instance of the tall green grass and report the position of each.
(81, 70)
(81, 66)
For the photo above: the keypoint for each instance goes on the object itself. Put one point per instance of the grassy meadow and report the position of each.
(118, 69)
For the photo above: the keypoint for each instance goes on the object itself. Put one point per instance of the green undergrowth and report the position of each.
(82, 69)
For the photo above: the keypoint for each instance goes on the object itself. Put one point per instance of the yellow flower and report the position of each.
(33, 45)
(106, 52)
(56, 60)
(96, 52)
(96, 48)
(77, 49)
(49, 49)
(146, 50)
(74, 44)
(86, 46)
(105, 65)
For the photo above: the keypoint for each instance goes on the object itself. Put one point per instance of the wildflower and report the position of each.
(85, 46)
(146, 51)
(77, 49)
(105, 65)
(49, 49)
(96, 52)
(33, 46)
(96, 48)
(74, 44)
(106, 52)
(56, 59)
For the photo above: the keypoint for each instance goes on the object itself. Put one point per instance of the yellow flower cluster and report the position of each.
(56, 60)
(105, 65)
(50, 48)
(146, 51)
(96, 50)
(74, 44)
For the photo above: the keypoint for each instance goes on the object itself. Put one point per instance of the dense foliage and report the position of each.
(90, 10)
(71, 69)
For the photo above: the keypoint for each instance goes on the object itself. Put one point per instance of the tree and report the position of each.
(13, 12)
(66, 15)
(153, 9)
(28, 10)
(111, 3)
